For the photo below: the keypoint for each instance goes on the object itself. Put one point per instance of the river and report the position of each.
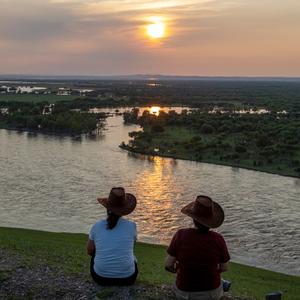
(51, 183)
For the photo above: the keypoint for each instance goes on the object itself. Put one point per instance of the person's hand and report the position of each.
(170, 269)
(171, 264)
(176, 266)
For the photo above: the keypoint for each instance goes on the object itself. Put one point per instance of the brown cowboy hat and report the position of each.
(205, 211)
(119, 202)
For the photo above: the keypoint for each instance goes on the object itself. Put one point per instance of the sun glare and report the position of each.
(154, 110)
(156, 29)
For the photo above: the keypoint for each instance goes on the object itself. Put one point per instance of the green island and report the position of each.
(263, 141)
(55, 118)
(64, 254)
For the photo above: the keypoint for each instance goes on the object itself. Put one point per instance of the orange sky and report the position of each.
(108, 37)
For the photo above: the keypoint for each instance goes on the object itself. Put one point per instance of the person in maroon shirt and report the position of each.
(198, 255)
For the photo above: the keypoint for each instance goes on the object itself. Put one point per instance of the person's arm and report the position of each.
(225, 257)
(135, 233)
(170, 263)
(224, 267)
(171, 260)
(90, 247)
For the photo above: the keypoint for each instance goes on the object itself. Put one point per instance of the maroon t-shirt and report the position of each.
(198, 255)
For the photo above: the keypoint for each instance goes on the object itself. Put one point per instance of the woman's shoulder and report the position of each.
(128, 222)
(100, 223)
(127, 225)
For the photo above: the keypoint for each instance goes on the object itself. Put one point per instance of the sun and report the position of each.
(156, 29)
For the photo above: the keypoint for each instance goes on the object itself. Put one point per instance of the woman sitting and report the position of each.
(198, 255)
(111, 241)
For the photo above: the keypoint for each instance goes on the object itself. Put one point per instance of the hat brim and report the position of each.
(120, 210)
(214, 221)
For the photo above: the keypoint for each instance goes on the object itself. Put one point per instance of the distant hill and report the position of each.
(136, 77)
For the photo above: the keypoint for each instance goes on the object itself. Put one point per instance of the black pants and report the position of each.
(113, 281)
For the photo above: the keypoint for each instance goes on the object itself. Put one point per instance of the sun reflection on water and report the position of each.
(154, 110)
(160, 195)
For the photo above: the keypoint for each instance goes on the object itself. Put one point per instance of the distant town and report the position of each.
(40, 90)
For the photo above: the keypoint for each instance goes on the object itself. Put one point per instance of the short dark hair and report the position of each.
(200, 227)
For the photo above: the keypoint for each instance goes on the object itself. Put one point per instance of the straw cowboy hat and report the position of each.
(205, 211)
(119, 202)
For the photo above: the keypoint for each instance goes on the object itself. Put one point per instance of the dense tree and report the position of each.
(28, 116)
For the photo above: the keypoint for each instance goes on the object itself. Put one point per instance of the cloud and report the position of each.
(36, 20)
(107, 36)
(29, 20)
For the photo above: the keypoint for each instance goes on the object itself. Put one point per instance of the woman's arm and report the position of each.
(90, 247)
(170, 263)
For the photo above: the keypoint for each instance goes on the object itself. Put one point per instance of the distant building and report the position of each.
(31, 90)
(4, 111)
(3, 89)
(64, 92)
(12, 90)
(82, 92)
(24, 90)
(47, 110)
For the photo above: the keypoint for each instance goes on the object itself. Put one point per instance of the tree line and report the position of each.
(29, 116)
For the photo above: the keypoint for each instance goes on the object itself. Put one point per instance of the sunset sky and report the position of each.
(111, 37)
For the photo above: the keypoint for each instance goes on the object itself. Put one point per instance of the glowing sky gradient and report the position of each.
(107, 37)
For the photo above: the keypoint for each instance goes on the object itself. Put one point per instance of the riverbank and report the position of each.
(35, 132)
(37, 264)
(213, 162)
(183, 143)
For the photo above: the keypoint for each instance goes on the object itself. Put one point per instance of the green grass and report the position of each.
(180, 134)
(68, 252)
(36, 98)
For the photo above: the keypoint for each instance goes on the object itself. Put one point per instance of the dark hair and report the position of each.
(112, 219)
(200, 227)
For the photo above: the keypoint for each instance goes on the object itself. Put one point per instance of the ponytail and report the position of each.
(112, 220)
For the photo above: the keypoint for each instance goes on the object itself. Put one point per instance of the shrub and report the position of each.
(157, 128)
(240, 149)
(207, 129)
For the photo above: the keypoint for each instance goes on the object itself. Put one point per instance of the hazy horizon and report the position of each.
(142, 77)
(210, 38)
